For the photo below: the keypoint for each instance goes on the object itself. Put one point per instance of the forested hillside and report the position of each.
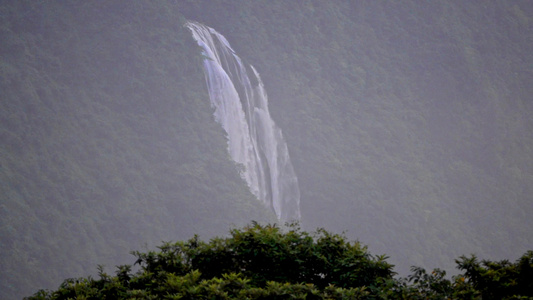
(108, 141)
(408, 123)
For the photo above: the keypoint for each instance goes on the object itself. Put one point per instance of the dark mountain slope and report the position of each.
(409, 123)
(108, 142)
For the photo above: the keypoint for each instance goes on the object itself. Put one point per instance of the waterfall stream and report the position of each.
(254, 140)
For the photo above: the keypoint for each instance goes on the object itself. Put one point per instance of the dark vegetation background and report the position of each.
(409, 125)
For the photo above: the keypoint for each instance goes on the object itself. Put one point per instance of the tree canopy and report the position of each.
(265, 262)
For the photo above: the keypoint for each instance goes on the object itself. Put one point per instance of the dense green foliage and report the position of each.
(262, 262)
(408, 123)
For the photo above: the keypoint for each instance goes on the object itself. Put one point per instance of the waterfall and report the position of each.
(254, 140)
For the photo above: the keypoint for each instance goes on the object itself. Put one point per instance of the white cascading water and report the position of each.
(254, 141)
